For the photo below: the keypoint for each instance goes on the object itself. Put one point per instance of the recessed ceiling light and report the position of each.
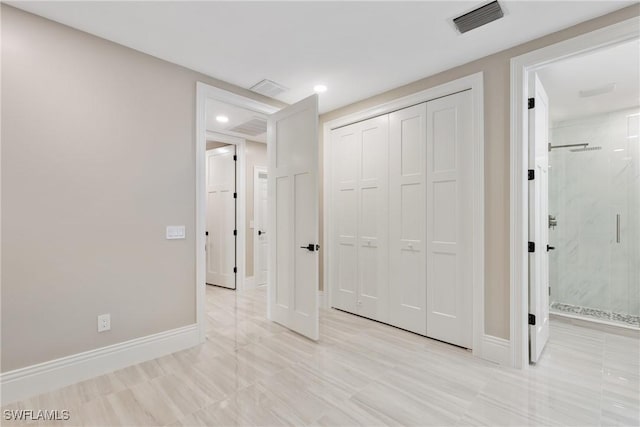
(222, 119)
(319, 88)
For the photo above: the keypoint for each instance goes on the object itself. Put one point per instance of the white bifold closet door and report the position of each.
(407, 269)
(450, 219)
(361, 221)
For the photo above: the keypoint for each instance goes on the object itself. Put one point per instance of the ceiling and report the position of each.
(238, 119)
(564, 80)
(358, 49)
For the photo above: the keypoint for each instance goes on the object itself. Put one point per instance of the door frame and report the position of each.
(521, 68)
(257, 170)
(204, 92)
(483, 345)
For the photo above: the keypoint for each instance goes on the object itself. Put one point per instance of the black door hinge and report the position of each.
(532, 103)
(235, 158)
(532, 319)
(235, 195)
(235, 270)
(531, 175)
(532, 246)
(206, 233)
(235, 232)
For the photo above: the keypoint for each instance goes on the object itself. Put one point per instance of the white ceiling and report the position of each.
(237, 116)
(358, 49)
(564, 80)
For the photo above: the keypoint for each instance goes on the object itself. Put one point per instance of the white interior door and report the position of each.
(261, 246)
(407, 158)
(538, 220)
(221, 217)
(450, 219)
(293, 217)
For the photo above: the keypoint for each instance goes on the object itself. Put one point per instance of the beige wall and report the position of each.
(98, 156)
(256, 155)
(496, 70)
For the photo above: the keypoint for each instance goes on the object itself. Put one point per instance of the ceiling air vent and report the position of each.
(269, 88)
(478, 17)
(253, 127)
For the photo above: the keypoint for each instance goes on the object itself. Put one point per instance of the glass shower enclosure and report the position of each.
(594, 217)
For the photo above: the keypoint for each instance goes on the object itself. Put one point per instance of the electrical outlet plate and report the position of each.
(104, 322)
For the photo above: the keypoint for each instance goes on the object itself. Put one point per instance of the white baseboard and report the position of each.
(496, 350)
(47, 376)
(323, 300)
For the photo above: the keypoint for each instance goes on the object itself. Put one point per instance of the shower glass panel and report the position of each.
(594, 195)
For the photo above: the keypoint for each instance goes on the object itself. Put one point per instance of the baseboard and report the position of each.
(323, 300)
(496, 350)
(47, 376)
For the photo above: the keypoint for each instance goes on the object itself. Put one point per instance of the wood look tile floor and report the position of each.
(253, 372)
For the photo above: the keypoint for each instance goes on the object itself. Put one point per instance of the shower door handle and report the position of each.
(617, 228)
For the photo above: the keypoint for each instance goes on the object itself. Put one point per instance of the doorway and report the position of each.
(292, 162)
(565, 152)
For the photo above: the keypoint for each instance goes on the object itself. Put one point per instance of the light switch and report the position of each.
(176, 232)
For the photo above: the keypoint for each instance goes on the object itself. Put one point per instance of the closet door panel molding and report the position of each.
(407, 257)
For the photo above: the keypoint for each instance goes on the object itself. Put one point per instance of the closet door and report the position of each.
(407, 287)
(344, 262)
(373, 249)
(449, 219)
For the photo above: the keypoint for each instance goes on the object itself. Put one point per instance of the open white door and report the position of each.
(538, 219)
(293, 217)
(221, 217)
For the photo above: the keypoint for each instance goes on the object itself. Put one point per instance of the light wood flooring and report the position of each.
(253, 372)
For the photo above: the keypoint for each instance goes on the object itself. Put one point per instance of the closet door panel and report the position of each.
(346, 156)
(407, 284)
(449, 219)
(373, 220)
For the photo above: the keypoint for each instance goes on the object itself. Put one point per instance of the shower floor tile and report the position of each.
(594, 313)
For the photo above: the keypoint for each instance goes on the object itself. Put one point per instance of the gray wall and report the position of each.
(98, 156)
(496, 70)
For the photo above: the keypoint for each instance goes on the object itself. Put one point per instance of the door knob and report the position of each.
(260, 232)
(311, 247)
(550, 248)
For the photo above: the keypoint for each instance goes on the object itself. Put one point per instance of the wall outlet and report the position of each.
(104, 322)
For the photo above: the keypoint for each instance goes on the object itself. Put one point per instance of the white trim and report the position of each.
(496, 350)
(520, 67)
(323, 300)
(475, 83)
(47, 376)
(204, 92)
(257, 170)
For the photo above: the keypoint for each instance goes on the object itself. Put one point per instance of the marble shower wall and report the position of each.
(586, 192)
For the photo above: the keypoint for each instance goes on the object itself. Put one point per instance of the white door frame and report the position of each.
(204, 92)
(521, 67)
(257, 170)
(481, 342)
